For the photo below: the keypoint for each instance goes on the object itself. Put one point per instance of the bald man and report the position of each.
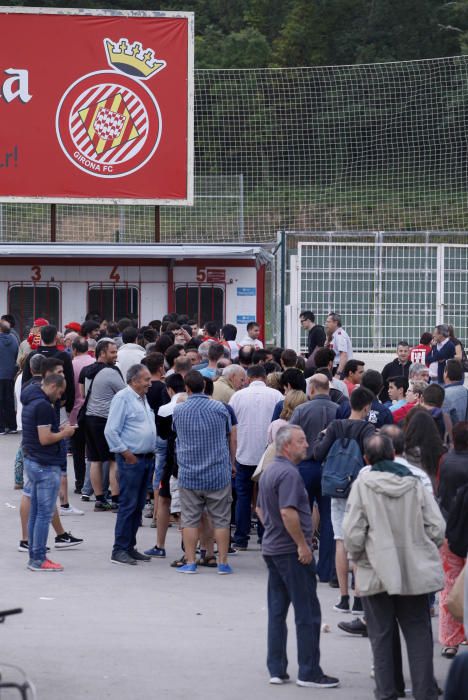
(313, 417)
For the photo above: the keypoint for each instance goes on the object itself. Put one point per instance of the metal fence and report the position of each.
(384, 291)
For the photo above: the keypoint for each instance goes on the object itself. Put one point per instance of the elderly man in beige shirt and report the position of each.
(232, 379)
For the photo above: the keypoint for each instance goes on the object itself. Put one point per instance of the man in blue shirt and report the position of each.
(131, 434)
(44, 450)
(203, 427)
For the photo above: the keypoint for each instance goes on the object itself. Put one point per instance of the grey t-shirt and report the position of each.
(281, 486)
(106, 384)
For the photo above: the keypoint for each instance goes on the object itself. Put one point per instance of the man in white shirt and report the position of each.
(253, 407)
(129, 353)
(252, 337)
(340, 342)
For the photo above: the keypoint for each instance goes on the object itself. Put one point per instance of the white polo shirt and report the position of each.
(341, 342)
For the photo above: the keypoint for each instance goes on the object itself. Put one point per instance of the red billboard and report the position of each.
(96, 106)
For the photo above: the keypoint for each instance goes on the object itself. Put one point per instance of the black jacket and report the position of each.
(48, 351)
(393, 369)
(359, 430)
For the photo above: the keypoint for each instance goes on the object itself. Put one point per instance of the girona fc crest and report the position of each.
(108, 122)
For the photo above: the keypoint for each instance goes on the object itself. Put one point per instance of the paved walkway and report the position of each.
(103, 631)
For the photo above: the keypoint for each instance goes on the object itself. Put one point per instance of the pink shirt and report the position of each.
(78, 363)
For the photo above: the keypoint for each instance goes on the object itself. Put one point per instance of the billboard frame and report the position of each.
(190, 17)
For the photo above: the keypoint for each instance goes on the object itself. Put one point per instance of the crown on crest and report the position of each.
(132, 59)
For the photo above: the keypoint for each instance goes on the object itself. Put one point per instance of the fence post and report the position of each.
(378, 273)
(440, 286)
(283, 286)
(241, 207)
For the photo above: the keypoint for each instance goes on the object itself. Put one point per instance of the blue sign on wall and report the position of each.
(246, 291)
(245, 319)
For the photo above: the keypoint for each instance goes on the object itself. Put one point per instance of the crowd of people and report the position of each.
(342, 473)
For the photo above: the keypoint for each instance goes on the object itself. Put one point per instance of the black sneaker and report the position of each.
(357, 627)
(114, 507)
(85, 497)
(66, 540)
(121, 557)
(323, 682)
(138, 556)
(342, 606)
(333, 583)
(357, 607)
(102, 506)
(24, 546)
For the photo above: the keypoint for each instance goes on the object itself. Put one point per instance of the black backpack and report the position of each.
(457, 523)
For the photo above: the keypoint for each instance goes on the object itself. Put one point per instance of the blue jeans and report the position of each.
(311, 473)
(44, 483)
(244, 492)
(292, 582)
(133, 480)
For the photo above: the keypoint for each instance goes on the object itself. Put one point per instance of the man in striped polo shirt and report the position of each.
(203, 426)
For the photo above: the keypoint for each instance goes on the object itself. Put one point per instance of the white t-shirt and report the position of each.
(251, 341)
(341, 342)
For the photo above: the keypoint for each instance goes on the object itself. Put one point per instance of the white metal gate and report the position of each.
(385, 292)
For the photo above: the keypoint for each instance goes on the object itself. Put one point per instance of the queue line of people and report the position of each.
(174, 393)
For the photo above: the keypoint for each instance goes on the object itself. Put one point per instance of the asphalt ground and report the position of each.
(98, 630)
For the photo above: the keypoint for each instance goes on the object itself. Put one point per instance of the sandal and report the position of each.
(210, 562)
(449, 652)
(179, 562)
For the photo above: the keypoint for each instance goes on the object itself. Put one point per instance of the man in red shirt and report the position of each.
(419, 352)
(413, 398)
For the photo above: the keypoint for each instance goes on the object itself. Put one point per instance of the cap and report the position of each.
(40, 322)
(74, 326)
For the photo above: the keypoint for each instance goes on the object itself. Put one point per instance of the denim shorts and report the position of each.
(338, 508)
(27, 488)
(160, 461)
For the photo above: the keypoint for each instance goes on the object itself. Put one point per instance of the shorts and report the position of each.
(160, 461)
(338, 509)
(27, 489)
(164, 487)
(175, 494)
(97, 449)
(217, 504)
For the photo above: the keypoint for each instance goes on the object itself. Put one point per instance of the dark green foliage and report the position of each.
(263, 33)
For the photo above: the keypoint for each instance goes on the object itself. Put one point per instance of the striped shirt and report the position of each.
(202, 426)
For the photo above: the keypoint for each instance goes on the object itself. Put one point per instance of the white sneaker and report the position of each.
(71, 510)
(278, 680)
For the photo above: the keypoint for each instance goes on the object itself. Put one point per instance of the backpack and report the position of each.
(457, 523)
(343, 463)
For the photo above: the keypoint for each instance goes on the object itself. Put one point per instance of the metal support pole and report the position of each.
(241, 207)
(53, 223)
(157, 226)
(283, 287)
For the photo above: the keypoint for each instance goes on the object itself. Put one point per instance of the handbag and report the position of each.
(455, 599)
